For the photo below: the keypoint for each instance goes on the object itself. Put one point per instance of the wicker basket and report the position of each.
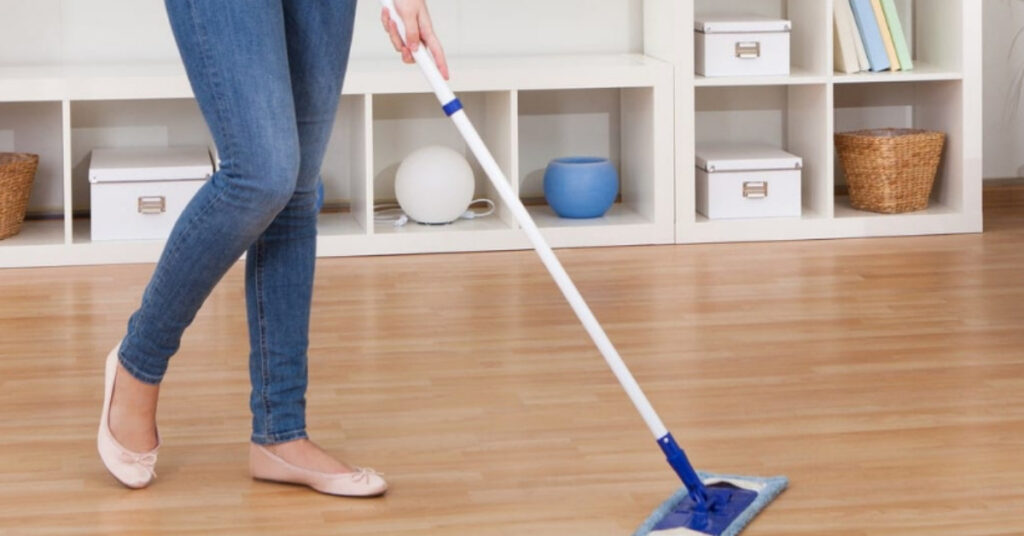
(890, 170)
(17, 170)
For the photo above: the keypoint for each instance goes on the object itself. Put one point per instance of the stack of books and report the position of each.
(869, 37)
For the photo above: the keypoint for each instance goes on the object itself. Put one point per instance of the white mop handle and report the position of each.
(501, 184)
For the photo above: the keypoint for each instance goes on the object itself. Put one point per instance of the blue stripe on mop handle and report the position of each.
(452, 107)
(681, 464)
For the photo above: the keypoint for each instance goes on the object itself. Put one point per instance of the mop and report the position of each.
(707, 504)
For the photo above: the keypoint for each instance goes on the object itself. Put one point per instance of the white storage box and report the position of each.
(741, 46)
(745, 181)
(138, 194)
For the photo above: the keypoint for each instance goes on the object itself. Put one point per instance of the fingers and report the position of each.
(433, 44)
(396, 40)
(418, 29)
(392, 30)
(412, 30)
(412, 34)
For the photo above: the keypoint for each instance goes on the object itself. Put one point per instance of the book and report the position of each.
(883, 27)
(899, 37)
(845, 49)
(867, 25)
(862, 55)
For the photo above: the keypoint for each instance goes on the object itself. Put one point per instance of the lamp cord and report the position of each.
(393, 213)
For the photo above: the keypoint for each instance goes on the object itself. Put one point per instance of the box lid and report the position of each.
(716, 158)
(138, 164)
(740, 24)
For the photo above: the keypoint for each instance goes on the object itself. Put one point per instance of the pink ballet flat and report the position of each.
(133, 469)
(265, 465)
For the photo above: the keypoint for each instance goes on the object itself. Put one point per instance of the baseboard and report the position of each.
(999, 183)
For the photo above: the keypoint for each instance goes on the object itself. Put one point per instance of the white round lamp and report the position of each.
(435, 185)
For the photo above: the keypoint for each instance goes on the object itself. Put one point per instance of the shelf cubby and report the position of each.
(99, 124)
(403, 123)
(614, 123)
(346, 167)
(935, 33)
(811, 34)
(37, 128)
(791, 118)
(935, 105)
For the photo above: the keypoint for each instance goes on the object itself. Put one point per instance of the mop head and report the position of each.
(741, 498)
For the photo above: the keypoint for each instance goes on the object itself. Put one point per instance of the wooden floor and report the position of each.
(884, 377)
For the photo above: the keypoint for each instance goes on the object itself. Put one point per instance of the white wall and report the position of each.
(1004, 119)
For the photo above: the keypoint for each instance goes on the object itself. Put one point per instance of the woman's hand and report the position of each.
(418, 29)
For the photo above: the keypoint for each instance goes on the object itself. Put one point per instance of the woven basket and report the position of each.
(17, 171)
(890, 170)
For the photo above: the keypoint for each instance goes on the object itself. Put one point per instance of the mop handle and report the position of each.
(453, 108)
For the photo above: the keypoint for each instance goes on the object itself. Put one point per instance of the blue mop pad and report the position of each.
(675, 516)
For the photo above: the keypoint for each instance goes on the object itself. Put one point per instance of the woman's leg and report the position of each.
(236, 56)
(280, 264)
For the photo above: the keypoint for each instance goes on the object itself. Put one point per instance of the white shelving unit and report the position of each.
(645, 111)
(801, 113)
(528, 109)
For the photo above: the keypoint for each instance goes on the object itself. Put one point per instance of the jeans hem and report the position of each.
(271, 439)
(136, 372)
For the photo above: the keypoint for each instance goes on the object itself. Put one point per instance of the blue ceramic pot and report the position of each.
(581, 187)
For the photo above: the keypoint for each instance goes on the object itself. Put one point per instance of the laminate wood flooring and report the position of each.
(885, 377)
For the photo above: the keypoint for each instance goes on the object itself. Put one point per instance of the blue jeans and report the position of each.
(267, 75)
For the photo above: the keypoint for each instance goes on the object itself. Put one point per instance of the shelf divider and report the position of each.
(65, 129)
(361, 183)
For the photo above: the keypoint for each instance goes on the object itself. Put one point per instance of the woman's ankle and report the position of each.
(133, 412)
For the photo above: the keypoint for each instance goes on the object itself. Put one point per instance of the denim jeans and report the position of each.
(267, 75)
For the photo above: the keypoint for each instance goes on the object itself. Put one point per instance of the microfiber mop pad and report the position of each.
(674, 516)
